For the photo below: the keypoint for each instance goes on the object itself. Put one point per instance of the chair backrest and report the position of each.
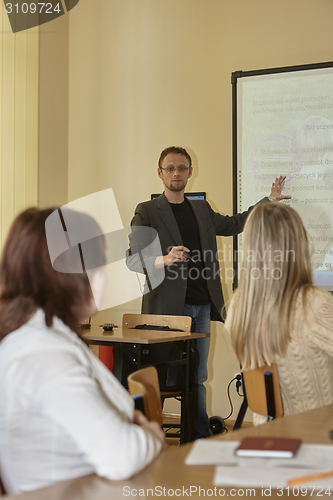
(145, 383)
(179, 322)
(256, 392)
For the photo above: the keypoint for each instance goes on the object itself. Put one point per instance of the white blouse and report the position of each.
(62, 413)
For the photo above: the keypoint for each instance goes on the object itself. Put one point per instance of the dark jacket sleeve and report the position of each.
(144, 248)
(226, 225)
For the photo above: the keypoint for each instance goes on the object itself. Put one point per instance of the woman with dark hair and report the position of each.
(62, 413)
(277, 315)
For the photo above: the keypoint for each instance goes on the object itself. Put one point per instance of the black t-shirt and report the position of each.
(197, 291)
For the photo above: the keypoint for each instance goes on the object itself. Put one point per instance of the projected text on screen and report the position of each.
(285, 127)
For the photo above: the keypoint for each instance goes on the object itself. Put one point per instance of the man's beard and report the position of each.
(179, 186)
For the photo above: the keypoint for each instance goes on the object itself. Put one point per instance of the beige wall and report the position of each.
(53, 112)
(34, 87)
(19, 68)
(146, 74)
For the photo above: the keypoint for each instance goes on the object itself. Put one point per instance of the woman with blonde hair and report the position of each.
(62, 414)
(277, 315)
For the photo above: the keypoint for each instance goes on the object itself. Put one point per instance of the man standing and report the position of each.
(192, 285)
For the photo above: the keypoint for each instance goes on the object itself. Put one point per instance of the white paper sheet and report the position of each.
(269, 478)
(232, 470)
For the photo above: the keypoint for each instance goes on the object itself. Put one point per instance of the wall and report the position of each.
(53, 112)
(146, 74)
(34, 118)
(19, 71)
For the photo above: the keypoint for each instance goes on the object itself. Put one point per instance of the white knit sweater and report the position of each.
(306, 370)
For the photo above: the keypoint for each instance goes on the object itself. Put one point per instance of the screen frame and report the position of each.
(235, 77)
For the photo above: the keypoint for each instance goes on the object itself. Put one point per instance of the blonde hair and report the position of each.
(275, 269)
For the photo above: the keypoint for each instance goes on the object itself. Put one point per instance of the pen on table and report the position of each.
(306, 479)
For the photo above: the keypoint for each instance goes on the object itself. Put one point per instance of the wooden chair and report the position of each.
(160, 355)
(183, 323)
(262, 393)
(145, 383)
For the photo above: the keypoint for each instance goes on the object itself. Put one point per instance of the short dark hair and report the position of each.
(173, 150)
(29, 282)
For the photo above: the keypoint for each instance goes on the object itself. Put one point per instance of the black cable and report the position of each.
(239, 394)
(239, 384)
(228, 394)
(238, 379)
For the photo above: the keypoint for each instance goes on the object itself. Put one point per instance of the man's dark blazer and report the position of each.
(168, 297)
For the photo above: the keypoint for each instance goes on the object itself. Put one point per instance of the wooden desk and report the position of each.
(97, 336)
(170, 472)
(140, 339)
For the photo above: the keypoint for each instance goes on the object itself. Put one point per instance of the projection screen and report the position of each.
(283, 125)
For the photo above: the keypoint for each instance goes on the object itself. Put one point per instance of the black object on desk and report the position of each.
(86, 324)
(108, 327)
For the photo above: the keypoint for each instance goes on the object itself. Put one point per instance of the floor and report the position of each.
(174, 419)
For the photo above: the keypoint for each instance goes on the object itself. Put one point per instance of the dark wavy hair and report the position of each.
(29, 282)
(174, 150)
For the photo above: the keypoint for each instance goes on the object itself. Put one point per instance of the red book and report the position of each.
(268, 447)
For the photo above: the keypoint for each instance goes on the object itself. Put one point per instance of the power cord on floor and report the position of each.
(217, 424)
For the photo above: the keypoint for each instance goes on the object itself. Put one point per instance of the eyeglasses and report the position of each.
(171, 170)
